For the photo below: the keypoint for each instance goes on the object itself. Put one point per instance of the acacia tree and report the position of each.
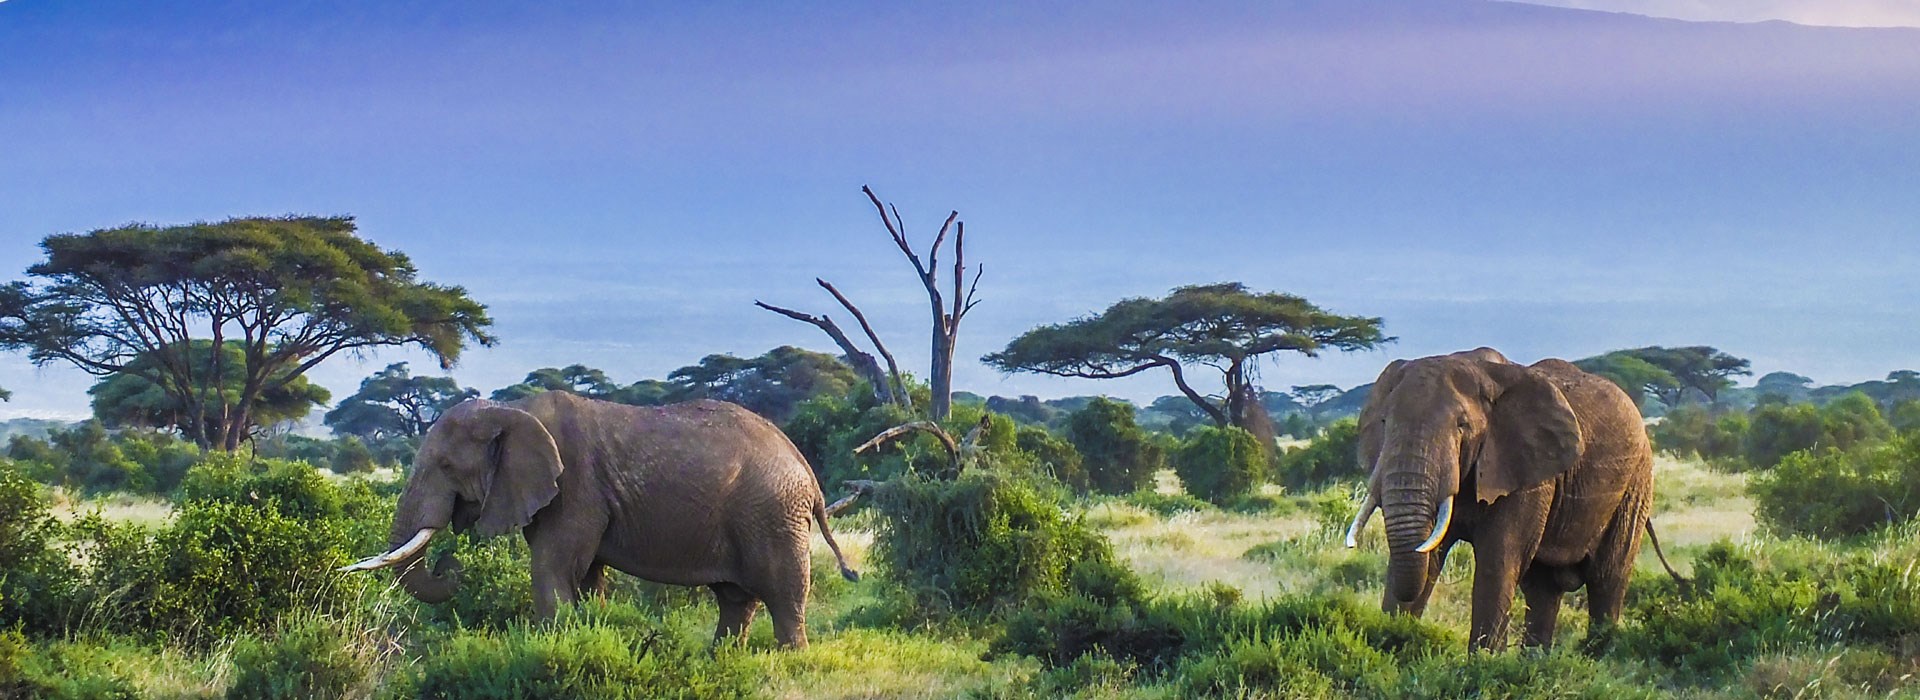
(1221, 326)
(395, 403)
(292, 291)
(1638, 377)
(1701, 368)
(947, 313)
(131, 399)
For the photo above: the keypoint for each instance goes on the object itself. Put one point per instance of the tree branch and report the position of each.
(862, 362)
(905, 400)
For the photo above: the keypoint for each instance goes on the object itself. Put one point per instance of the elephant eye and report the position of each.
(1464, 424)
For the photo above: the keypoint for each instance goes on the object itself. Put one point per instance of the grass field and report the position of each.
(1293, 546)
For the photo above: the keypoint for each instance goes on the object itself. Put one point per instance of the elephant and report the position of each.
(1545, 469)
(703, 493)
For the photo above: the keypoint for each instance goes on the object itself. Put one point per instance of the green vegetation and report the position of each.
(1332, 457)
(1220, 464)
(1225, 326)
(1119, 456)
(296, 290)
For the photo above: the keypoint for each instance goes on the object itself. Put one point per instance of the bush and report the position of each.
(496, 586)
(1777, 430)
(230, 561)
(1119, 456)
(1739, 609)
(1853, 421)
(581, 656)
(982, 543)
(1332, 457)
(1859, 491)
(1693, 431)
(1155, 635)
(311, 658)
(36, 580)
(1220, 464)
(292, 488)
(1056, 456)
(1905, 416)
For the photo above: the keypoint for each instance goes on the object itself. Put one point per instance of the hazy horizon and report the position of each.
(619, 185)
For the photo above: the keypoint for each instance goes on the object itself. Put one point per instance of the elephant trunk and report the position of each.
(435, 586)
(1408, 502)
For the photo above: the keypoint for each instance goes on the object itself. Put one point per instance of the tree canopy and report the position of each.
(395, 403)
(133, 399)
(1669, 373)
(1222, 326)
(770, 385)
(292, 291)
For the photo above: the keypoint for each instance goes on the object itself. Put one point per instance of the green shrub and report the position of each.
(1858, 491)
(1694, 431)
(580, 657)
(1220, 464)
(294, 489)
(60, 671)
(1905, 416)
(1332, 457)
(1853, 421)
(1119, 456)
(1056, 456)
(1738, 609)
(1154, 635)
(218, 568)
(496, 586)
(982, 543)
(311, 658)
(36, 579)
(1777, 430)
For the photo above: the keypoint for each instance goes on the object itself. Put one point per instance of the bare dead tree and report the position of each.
(946, 316)
(887, 387)
(946, 320)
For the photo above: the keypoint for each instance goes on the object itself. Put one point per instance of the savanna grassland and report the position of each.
(1260, 599)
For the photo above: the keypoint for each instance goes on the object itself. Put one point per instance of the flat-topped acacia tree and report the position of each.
(291, 291)
(1222, 326)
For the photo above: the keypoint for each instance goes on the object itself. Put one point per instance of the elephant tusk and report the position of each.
(412, 547)
(1440, 524)
(1367, 507)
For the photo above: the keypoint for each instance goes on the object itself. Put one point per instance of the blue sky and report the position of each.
(620, 182)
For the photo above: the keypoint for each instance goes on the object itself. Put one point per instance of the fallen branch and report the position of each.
(861, 487)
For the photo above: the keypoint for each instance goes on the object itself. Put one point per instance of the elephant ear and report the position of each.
(524, 474)
(1372, 433)
(1532, 434)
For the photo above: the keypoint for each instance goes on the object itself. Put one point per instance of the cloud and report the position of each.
(1831, 13)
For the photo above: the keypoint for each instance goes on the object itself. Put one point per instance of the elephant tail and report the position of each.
(820, 516)
(1677, 578)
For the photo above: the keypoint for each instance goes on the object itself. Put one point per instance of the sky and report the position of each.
(619, 183)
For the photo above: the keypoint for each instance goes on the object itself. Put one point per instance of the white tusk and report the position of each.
(1367, 507)
(1440, 523)
(412, 547)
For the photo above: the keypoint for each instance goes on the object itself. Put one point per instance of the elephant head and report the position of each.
(484, 466)
(1436, 426)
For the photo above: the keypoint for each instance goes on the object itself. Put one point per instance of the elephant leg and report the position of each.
(560, 564)
(1503, 547)
(737, 607)
(789, 620)
(1543, 593)
(1611, 566)
(595, 581)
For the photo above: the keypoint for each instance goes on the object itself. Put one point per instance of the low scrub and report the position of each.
(1858, 491)
(1220, 465)
(983, 543)
(1330, 458)
(583, 655)
(1738, 608)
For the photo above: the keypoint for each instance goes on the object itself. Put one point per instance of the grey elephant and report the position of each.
(703, 493)
(1545, 469)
